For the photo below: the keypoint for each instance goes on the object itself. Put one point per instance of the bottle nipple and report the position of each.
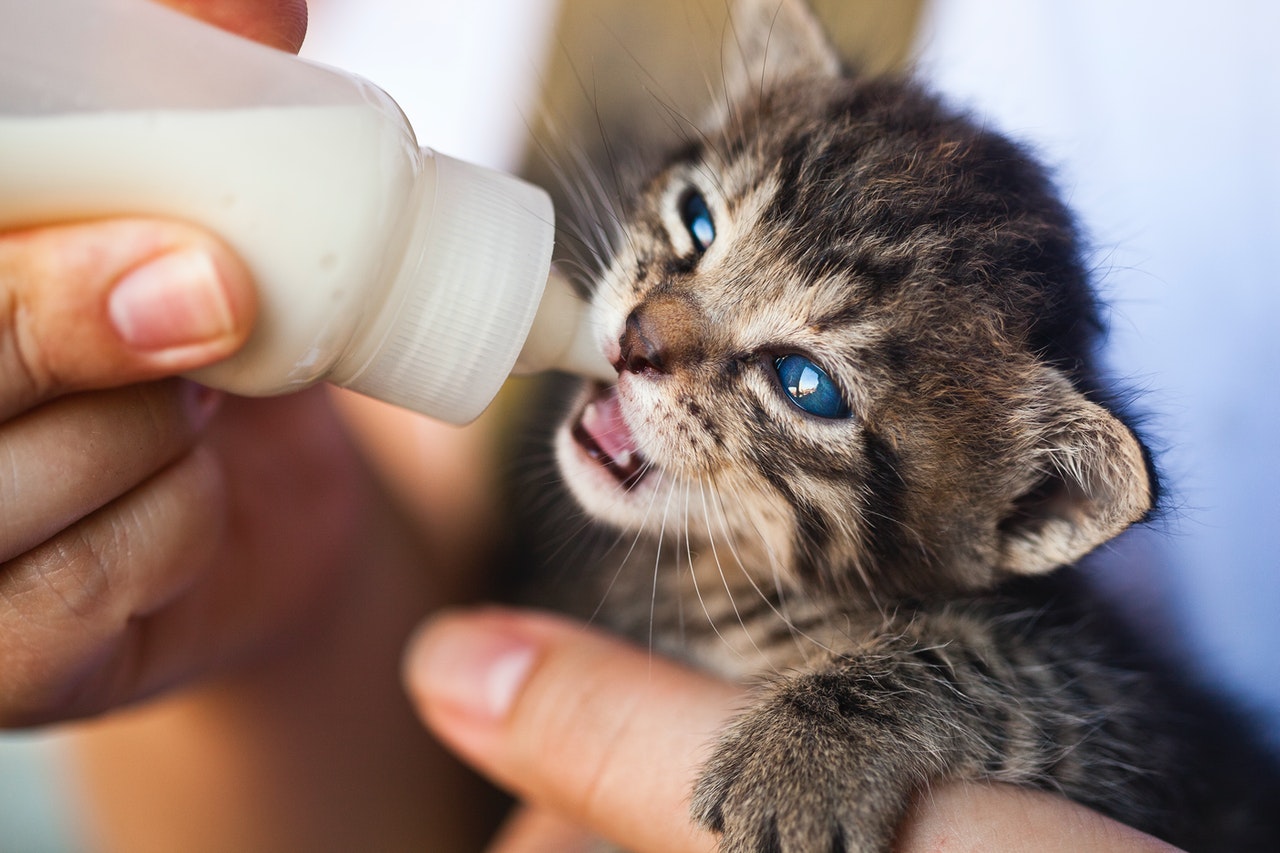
(561, 337)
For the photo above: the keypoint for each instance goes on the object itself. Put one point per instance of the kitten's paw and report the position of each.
(797, 774)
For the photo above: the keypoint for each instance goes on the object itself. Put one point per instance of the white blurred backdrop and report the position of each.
(1163, 122)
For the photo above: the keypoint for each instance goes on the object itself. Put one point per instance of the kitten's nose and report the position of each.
(661, 333)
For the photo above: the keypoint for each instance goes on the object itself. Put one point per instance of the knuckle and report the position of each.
(24, 372)
(29, 262)
(77, 611)
(52, 601)
(74, 571)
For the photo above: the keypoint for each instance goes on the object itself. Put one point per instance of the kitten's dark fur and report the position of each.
(893, 573)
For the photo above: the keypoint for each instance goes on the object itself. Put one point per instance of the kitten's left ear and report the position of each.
(772, 40)
(1094, 481)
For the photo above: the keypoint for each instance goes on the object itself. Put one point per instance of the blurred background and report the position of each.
(1162, 122)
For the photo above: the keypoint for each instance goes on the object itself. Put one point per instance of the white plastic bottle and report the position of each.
(382, 266)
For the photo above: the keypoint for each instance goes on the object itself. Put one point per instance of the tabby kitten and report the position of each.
(855, 436)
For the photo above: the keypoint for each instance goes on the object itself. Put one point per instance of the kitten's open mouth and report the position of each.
(605, 437)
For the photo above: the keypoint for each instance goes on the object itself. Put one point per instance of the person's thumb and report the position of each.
(603, 734)
(111, 303)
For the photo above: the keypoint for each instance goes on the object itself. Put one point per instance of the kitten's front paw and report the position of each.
(797, 774)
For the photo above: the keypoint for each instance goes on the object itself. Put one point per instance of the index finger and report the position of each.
(102, 304)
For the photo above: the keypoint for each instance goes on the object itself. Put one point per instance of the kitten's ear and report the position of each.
(1094, 480)
(772, 40)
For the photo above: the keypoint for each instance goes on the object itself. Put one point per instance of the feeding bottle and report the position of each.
(381, 266)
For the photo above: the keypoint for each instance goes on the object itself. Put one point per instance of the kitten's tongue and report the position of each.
(605, 436)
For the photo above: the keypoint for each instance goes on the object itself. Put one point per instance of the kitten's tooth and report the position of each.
(623, 459)
(590, 415)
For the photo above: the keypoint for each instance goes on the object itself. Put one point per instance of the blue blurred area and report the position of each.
(1163, 122)
(34, 793)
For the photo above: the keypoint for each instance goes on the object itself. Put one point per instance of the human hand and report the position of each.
(151, 531)
(596, 737)
(156, 536)
(147, 531)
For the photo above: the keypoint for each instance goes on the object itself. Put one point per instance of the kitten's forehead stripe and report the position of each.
(792, 159)
(687, 155)
(874, 274)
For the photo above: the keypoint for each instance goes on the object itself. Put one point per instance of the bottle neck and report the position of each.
(459, 309)
(562, 336)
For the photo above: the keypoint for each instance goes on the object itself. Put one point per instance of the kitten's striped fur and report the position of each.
(893, 578)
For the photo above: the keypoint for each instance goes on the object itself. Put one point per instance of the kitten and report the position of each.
(856, 441)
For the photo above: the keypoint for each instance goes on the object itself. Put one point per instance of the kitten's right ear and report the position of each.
(772, 40)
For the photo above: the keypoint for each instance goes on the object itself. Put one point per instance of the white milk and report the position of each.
(309, 197)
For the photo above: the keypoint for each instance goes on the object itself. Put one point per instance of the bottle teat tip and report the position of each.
(562, 337)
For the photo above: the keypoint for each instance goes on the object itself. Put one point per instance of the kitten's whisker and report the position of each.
(640, 475)
(715, 555)
(539, 475)
(635, 540)
(778, 605)
(796, 631)
(688, 549)
(657, 565)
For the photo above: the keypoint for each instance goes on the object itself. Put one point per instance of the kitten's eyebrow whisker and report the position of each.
(610, 158)
(615, 173)
(606, 202)
(584, 189)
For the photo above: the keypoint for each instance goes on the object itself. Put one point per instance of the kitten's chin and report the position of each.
(599, 457)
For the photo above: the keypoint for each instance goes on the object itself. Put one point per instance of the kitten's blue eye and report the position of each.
(697, 218)
(810, 388)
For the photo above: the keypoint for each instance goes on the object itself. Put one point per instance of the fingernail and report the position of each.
(476, 669)
(173, 301)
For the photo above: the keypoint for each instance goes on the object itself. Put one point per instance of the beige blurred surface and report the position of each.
(619, 68)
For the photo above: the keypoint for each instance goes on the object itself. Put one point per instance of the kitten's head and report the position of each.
(853, 336)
